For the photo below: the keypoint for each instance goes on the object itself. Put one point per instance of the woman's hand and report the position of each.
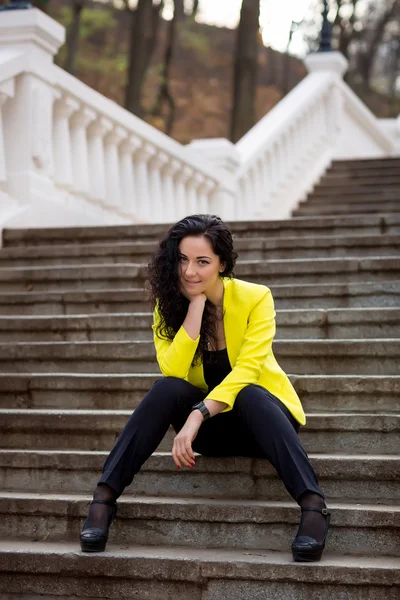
(193, 297)
(182, 452)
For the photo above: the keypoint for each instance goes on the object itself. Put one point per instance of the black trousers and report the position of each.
(258, 426)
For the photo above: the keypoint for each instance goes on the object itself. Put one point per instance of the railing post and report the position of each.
(27, 120)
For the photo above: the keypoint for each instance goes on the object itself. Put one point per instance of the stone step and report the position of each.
(365, 164)
(299, 226)
(286, 296)
(359, 194)
(326, 393)
(304, 357)
(248, 249)
(107, 276)
(341, 323)
(360, 175)
(361, 529)
(59, 570)
(328, 433)
(373, 179)
(352, 478)
(351, 208)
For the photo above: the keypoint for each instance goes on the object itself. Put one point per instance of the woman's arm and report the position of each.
(175, 357)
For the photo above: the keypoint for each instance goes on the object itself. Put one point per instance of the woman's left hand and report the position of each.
(182, 452)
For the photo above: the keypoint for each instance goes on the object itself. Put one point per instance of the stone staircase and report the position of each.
(76, 357)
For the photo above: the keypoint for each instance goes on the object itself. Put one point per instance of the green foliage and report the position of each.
(93, 21)
(195, 41)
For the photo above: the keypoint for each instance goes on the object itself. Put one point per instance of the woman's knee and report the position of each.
(248, 395)
(171, 389)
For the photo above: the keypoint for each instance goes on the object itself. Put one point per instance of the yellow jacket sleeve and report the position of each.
(175, 356)
(256, 346)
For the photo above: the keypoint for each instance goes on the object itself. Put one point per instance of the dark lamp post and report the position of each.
(326, 33)
(16, 5)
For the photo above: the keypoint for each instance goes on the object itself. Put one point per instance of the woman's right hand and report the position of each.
(196, 298)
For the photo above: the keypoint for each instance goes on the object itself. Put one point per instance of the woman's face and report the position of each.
(199, 266)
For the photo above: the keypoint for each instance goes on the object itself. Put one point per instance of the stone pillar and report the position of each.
(3, 172)
(96, 134)
(169, 190)
(112, 166)
(27, 120)
(62, 146)
(80, 154)
(156, 165)
(145, 204)
(128, 177)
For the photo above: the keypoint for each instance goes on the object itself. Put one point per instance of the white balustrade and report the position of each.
(142, 157)
(128, 177)
(96, 133)
(62, 147)
(3, 174)
(94, 162)
(112, 165)
(156, 166)
(80, 152)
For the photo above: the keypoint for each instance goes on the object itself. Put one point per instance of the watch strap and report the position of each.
(203, 409)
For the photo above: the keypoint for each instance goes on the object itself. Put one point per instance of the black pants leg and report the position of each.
(275, 431)
(258, 426)
(169, 401)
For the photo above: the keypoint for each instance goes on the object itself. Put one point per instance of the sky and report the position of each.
(275, 19)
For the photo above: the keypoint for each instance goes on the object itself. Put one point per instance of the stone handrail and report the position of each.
(93, 160)
(288, 151)
(74, 157)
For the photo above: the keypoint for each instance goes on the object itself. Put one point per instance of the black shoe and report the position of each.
(95, 539)
(307, 549)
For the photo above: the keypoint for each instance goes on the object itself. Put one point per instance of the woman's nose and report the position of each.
(190, 271)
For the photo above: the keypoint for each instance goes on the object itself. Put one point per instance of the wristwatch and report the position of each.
(203, 409)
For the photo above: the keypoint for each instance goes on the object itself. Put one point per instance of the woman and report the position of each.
(222, 390)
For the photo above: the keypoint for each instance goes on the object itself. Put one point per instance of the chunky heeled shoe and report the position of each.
(306, 548)
(94, 539)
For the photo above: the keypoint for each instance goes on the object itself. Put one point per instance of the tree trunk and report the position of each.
(366, 58)
(195, 9)
(245, 70)
(164, 94)
(73, 36)
(143, 38)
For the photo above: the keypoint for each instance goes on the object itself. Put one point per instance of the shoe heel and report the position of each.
(307, 556)
(93, 546)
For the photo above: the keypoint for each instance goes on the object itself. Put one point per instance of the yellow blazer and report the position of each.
(249, 323)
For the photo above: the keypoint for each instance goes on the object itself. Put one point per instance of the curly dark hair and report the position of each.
(163, 277)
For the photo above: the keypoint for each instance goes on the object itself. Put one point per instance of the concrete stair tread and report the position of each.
(338, 464)
(141, 319)
(75, 234)
(130, 499)
(81, 250)
(103, 419)
(190, 564)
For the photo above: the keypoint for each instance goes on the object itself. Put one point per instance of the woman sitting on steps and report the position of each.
(223, 391)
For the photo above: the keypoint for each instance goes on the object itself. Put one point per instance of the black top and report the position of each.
(216, 367)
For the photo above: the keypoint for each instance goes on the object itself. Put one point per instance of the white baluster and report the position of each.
(192, 207)
(80, 161)
(181, 198)
(156, 165)
(113, 175)
(204, 196)
(3, 173)
(198, 184)
(63, 109)
(96, 133)
(128, 177)
(169, 172)
(142, 156)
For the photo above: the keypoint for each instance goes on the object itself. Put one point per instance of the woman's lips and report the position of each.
(192, 281)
